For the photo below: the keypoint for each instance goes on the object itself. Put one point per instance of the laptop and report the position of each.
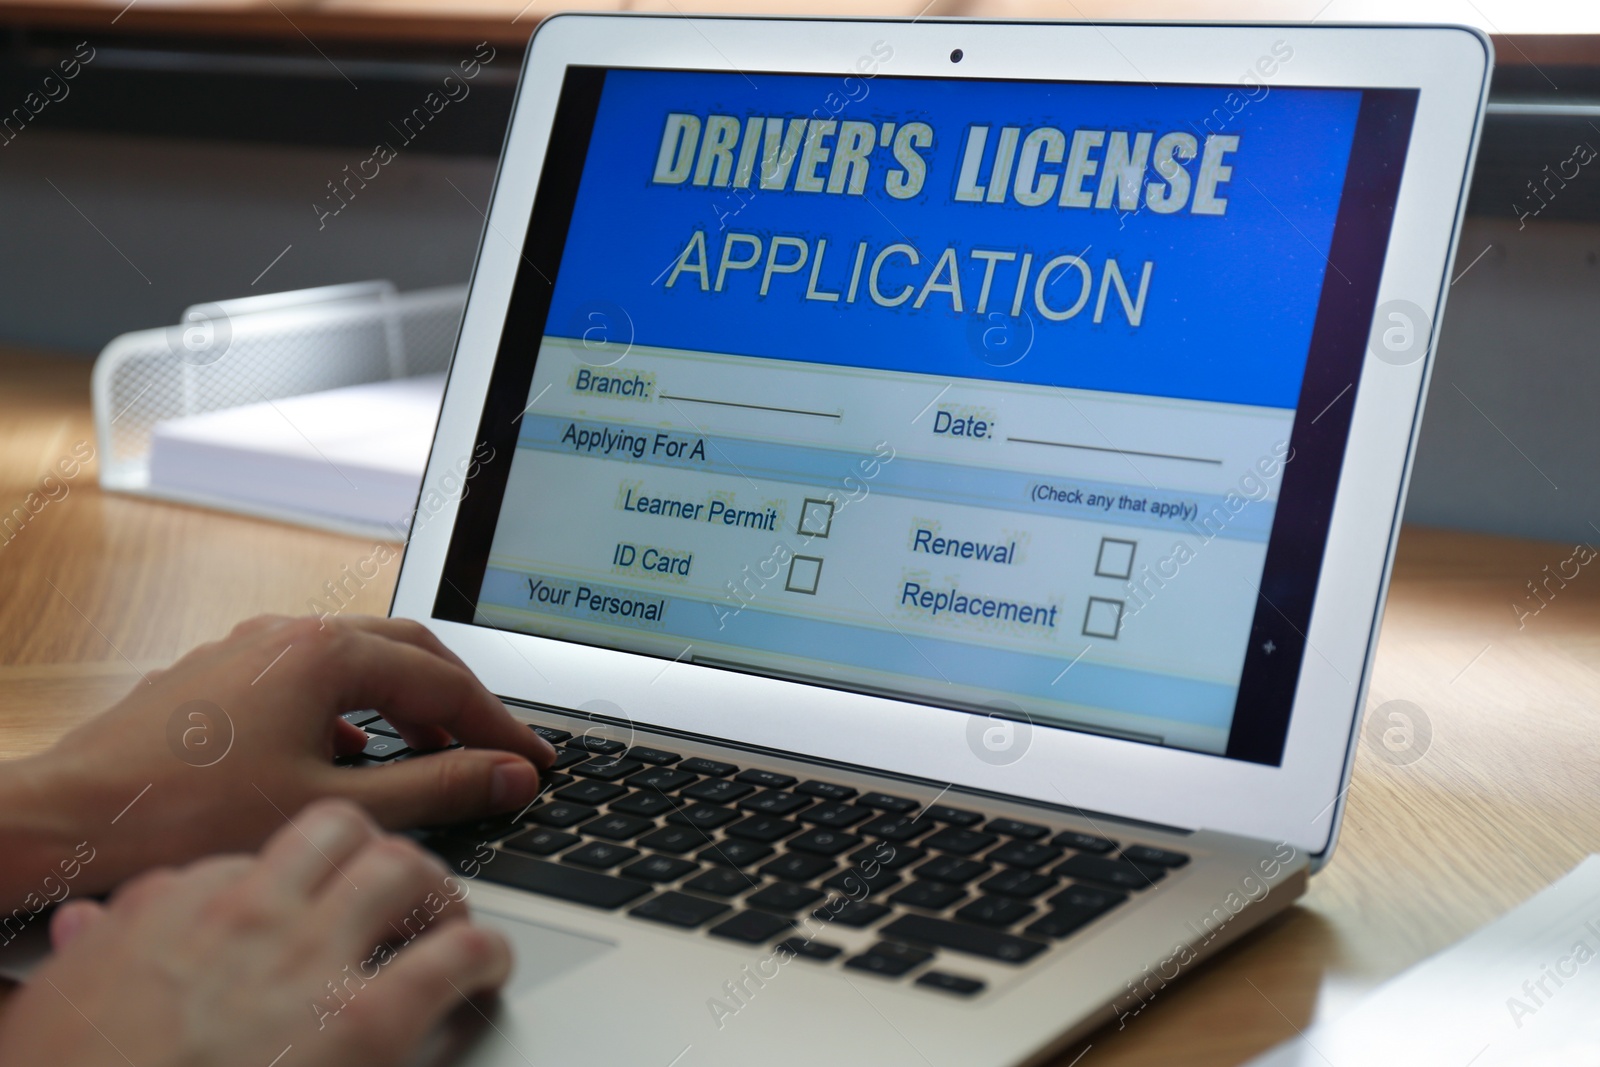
(935, 482)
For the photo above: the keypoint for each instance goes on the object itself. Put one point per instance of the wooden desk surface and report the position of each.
(1502, 803)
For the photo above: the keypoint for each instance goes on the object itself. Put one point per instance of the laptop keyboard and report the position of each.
(758, 856)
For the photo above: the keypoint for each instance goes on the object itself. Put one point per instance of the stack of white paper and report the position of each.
(351, 456)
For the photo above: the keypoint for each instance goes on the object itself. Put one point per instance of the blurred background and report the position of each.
(203, 149)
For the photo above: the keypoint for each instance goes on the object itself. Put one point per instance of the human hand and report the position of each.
(238, 959)
(271, 693)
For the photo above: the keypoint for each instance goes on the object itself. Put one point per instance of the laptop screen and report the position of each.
(1013, 397)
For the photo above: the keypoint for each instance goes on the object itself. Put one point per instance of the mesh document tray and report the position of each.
(262, 348)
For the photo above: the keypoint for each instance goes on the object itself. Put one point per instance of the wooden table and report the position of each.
(1504, 801)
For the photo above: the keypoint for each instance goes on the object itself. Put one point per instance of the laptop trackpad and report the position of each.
(542, 952)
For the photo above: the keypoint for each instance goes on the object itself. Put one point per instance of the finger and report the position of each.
(257, 624)
(71, 920)
(347, 739)
(302, 857)
(464, 783)
(413, 688)
(391, 893)
(429, 979)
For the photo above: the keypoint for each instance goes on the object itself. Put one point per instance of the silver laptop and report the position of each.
(935, 482)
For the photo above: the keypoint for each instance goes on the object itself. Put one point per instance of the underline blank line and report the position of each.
(1114, 451)
(754, 407)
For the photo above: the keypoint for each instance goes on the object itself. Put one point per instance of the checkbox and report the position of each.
(816, 517)
(1103, 618)
(804, 571)
(1116, 558)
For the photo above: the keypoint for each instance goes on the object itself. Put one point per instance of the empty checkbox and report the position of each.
(1103, 618)
(1116, 558)
(804, 572)
(816, 517)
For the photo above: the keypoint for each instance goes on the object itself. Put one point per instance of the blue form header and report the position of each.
(1160, 240)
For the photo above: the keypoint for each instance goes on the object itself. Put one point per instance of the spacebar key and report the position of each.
(557, 880)
(974, 940)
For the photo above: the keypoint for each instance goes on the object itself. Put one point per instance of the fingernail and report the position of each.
(512, 782)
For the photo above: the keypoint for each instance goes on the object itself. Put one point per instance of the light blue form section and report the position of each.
(919, 479)
(1159, 696)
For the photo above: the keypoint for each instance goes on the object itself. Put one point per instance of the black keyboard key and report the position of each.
(888, 959)
(607, 770)
(679, 909)
(653, 755)
(647, 804)
(541, 842)
(959, 841)
(717, 791)
(852, 913)
(896, 828)
(490, 829)
(995, 911)
(885, 802)
(722, 882)
(1028, 831)
(766, 779)
(1083, 842)
(783, 897)
(825, 790)
(596, 745)
(562, 882)
(1024, 885)
(836, 816)
(752, 927)
(1061, 922)
(591, 792)
(382, 747)
(561, 814)
(566, 757)
(798, 867)
(360, 718)
(709, 767)
(807, 949)
(703, 816)
(952, 869)
(823, 842)
(1026, 854)
(1116, 873)
(659, 869)
(380, 725)
(734, 853)
(600, 855)
(951, 983)
(763, 828)
(661, 779)
(934, 896)
(675, 839)
(1088, 896)
(550, 733)
(954, 816)
(554, 779)
(774, 802)
(857, 883)
(1154, 857)
(616, 827)
(963, 937)
(887, 856)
